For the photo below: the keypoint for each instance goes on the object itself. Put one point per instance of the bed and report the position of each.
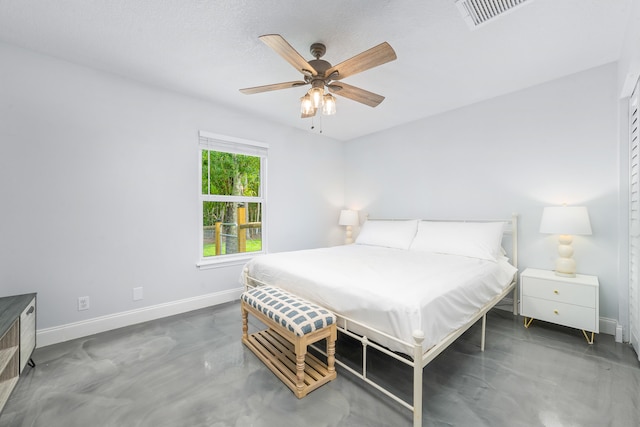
(406, 287)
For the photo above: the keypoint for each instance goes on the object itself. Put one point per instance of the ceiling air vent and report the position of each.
(479, 12)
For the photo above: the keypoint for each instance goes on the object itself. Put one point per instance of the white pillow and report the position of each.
(390, 234)
(472, 239)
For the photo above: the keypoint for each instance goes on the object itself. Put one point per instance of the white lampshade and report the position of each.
(348, 217)
(565, 220)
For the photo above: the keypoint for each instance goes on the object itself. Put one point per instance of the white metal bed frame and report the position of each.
(420, 359)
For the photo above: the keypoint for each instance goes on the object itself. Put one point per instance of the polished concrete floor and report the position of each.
(192, 370)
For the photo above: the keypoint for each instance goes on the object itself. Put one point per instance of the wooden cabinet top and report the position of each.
(10, 309)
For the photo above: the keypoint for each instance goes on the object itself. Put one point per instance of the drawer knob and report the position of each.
(556, 292)
(31, 310)
(555, 311)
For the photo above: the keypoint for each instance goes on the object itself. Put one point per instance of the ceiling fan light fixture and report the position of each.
(328, 105)
(306, 105)
(316, 94)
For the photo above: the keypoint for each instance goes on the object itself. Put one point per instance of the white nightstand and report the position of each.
(567, 301)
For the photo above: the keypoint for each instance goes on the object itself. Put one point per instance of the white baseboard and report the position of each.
(610, 327)
(96, 325)
(619, 333)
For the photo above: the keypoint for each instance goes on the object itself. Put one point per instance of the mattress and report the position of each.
(392, 290)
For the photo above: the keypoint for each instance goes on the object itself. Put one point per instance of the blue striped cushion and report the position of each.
(297, 315)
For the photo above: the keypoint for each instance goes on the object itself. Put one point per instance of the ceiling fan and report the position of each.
(320, 74)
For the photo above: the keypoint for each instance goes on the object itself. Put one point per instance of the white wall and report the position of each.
(544, 146)
(629, 63)
(99, 182)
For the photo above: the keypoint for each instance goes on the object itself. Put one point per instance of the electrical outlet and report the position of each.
(137, 293)
(83, 303)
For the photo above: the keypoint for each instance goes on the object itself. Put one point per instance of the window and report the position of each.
(232, 198)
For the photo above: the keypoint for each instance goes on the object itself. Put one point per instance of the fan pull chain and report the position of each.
(313, 126)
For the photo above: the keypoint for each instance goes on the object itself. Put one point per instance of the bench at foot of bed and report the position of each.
(293, 324)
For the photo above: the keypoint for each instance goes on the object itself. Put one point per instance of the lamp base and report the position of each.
(348, 239)
(565, 264)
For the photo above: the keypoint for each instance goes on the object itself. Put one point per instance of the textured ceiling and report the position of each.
(210, 49)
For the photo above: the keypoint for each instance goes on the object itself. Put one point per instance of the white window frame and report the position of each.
(230, 144)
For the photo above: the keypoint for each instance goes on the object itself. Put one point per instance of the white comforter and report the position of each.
(392, 290)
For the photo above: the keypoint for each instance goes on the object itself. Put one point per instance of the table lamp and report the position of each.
(565, 221)
(348, 218)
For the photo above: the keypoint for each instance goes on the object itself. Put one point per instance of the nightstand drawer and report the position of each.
(561, 313)
(559, 291)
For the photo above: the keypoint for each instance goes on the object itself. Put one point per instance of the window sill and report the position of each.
(227, 261)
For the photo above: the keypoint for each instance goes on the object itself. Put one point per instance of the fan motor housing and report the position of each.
(320, 65)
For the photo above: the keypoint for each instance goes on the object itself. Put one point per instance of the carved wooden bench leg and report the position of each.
(301, 352)
(245, 323)
(331, 352)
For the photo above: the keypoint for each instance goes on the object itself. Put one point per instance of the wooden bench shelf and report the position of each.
(279, 355)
